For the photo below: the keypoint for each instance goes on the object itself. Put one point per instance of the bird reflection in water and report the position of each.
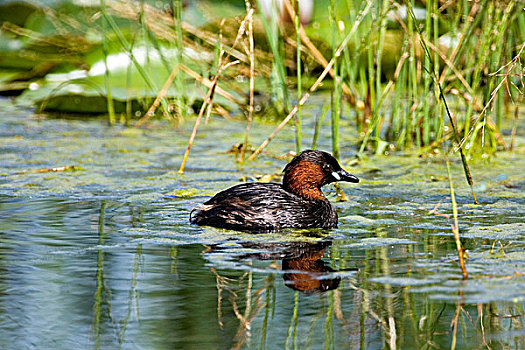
(302, 262)
(307, 272)
(304, 270)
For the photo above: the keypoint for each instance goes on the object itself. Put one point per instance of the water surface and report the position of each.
(102, 255)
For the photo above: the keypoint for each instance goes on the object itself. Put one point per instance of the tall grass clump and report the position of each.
(278, 76)
(368, 55)
(468, 43)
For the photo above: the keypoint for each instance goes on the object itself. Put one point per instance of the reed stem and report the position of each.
(107, 73)
(314, 87)
(278, 69)
(299, 82)
(177, 17)
(318, 124)
(336, 95)
(449, 114)
(252, 81)
(455, 225)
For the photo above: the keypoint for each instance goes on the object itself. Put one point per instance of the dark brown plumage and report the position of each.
(264, 207)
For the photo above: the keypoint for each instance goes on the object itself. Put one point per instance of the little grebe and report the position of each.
(264, 207)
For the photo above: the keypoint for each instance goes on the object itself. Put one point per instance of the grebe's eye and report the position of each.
(326, 166)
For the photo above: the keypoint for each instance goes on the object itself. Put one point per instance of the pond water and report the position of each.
(102, 255)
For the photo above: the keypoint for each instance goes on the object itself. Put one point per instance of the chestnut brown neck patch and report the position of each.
(305, 179)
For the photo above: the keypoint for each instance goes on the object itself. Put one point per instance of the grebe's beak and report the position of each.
(342, 175)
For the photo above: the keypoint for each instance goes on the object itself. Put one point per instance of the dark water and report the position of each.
(104, 257)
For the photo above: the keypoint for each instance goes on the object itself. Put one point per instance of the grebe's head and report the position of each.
(310, 170)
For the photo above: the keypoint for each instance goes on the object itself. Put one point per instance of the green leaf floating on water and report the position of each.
(190, 193)
(30, 37)
(83, 91)
(16, 12)
(66, 69)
